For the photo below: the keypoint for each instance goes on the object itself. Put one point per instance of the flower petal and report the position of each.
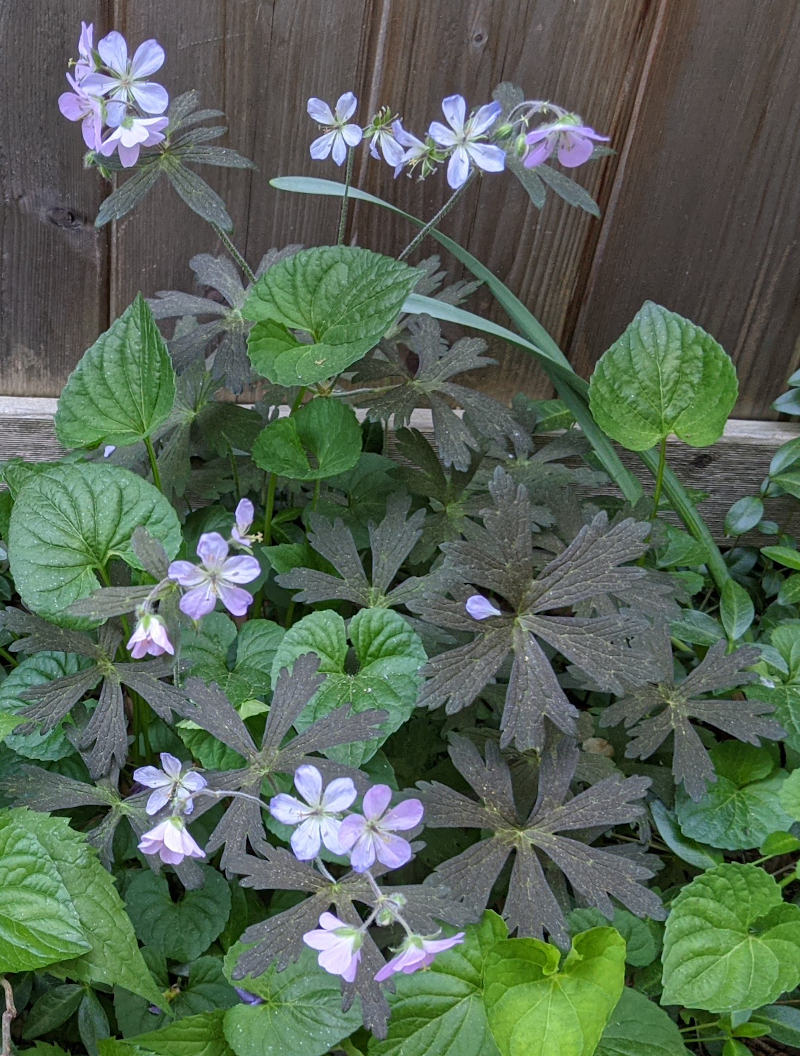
(362, 853)
(351, 830)
(458, 168)
(338, 958)
(212, 550)
(113, 50)
(441, 134)
(307, 840)
(308, 782)
(376, 801)
(151, 777)
(71, 106)
(128, 155)
(187, 574)
(352, 135)
(339, 152)
(480, 608)
(321, 147)
(454, 108)
(484, 118)
(330, 922)
(393, 851)
(287, 810)
(319, 111)
(171, 765)
(339, 795)
(241, 569)
(487, 157)
(320, 940)
(345, 106)
(540, 152)
(148, 58)
(245, 512)
(152, 98)
(406, 815)
(158, 800)
(329, 833)
(236, 600)
(199, 602)
(193, 781)
(574, 149)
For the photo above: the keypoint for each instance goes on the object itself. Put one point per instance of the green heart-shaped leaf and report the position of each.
(321, 440)
(663, 375)
(70, 521)
(639, 1028)
(343, 297)
(122, 389)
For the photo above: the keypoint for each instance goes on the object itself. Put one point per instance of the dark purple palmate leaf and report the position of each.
(242, 825)
(500, 558)
(594, 874)
(391, 542)
(653, 711)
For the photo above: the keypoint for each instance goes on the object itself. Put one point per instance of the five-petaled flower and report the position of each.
(339, 133)
(126, 79)
(319, 818)
(374, 835)
(480, 608)
(131, 134)
(339, 946)
(216, 577)
(416, 952)
(86, 64)
(464, 139)
(240, 533)
(382, 140)
(149, 636)
(171, 782)
(574, 141)
(415, 152)
(79, 105)
(171, 841)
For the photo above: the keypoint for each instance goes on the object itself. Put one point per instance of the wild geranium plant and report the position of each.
(467, 751)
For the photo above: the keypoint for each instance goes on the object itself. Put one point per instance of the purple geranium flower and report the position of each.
(126, 80)
(416, 952)
(149, 637)
(131, 134)
(171, 841)
(170, 782)
(78, 105)
(319, 818)
(480, 608)
(463, 139)
(216, 577)
(573, 140)
(86, 64)
(339, 946)
(415, 151)
(339, 135)
(240, 533)
(373, 835)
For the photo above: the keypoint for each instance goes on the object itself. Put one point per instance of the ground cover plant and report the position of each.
(475, 750)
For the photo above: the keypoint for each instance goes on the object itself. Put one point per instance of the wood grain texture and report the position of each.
(732, 468)
(53, 264)
(706, 214)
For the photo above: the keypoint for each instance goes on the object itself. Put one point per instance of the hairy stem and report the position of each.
(151, 454)
(435, 220)
(348, 179)
(662, 465)
(241, 263)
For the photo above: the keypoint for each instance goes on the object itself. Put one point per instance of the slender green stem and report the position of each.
(242, 264)
(269, 508)
(787, 880)
(151, 454)
(348, 179)
(315, 496)
(235, 469)
(435, 220)
(298, 400)
(9, 659)
(662, 464)
(287, 623)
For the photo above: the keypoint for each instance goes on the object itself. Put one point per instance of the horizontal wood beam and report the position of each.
(732, 468)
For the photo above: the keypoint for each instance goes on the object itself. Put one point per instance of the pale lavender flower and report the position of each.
(339, 946)
(149, 636)
(131, 134)
(415, 152)
(126, 80)
(171, 841)
(240, 533)
(78, 105)
(339, 133)
(463, 140)
(380, 133)
(416, 952)
(86, 64)
(319, 818)
(573, 140)
(373, 835)
(170, 782)
(216, 577)
(480, 608)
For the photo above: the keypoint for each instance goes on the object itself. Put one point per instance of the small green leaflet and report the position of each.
(200, 1035)
(730, 942)
(696, 854)
(122, 389)
(35, 671)
(789, 795)
(389, 655)
(71, 521)
(783, 555)
(744, 515)
(639, 1028)
(180, 930)
(536, 1008)
(301, 1014)
(663, 375)
(343, 297)
(113, 957)
(736, 609)
(321, 440)
(441, 1012)
(39, 924)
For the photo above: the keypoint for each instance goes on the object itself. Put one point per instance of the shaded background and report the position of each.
(700, 204)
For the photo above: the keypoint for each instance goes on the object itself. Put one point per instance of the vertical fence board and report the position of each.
(53, 264)
(706, 218)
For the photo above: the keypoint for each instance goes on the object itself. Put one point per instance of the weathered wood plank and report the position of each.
(733, 467)
(53, 264)
(705, 217)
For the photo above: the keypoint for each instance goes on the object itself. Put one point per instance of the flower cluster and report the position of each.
(118, 107)
(465, 142)
(170, 839)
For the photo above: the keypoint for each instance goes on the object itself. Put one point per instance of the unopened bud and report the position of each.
(504, 131)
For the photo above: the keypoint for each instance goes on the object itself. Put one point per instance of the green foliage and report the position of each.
(638, 1027)
(321, 440)
(179, 930)
(36, 671)
(730, 942)
(200, 1035)
(344, 298)
(123, 388)
(663, 375)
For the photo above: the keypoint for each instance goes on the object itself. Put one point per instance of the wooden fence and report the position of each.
(700, 203)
